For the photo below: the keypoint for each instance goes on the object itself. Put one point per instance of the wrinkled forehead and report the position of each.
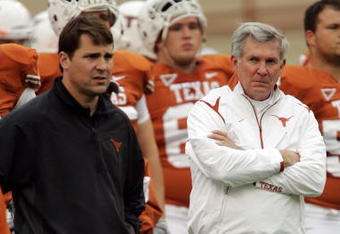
(269, 48)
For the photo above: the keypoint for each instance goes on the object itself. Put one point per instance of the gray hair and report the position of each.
(260, 32)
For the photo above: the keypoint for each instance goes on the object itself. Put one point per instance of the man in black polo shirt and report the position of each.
(70, 158)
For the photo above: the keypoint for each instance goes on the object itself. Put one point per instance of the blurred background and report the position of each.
(225, 15)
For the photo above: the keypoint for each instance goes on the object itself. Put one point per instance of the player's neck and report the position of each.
(320, 64)
(186, 67)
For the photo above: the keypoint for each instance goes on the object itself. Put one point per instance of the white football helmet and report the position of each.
(43, 38)
(128, 22)
(157, 15)
(61, 11)
(15, 20)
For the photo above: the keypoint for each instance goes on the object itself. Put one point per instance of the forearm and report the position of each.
(233, 167)
(150, 152)
(308, 176)
(303, 178)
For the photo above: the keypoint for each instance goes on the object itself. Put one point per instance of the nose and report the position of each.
(103, 64)
(262, 69)
(186, 31)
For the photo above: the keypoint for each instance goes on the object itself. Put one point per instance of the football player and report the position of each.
(317, 85)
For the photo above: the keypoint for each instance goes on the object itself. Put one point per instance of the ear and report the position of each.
(234, 61)
(64, 60)
(283, 64)
(159, 45)
(310, 38)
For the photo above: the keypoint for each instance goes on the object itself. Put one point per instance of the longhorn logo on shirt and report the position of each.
(283, 120)
(328, 93)
(215, 107)
(116, 144)
(168, 78)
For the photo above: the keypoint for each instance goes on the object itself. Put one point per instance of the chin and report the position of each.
(185, 60)
(99, 90)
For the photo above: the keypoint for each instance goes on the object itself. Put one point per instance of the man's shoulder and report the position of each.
(115, 111)
(216, 62)
(294, 103)
(18, 54)
(30, 112)
(124, 60)
(302, 77)
(221, 93)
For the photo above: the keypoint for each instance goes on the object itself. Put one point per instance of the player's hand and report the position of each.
(150, 87)
(222, 139)
(289, 157)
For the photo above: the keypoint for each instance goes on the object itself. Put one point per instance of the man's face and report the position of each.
(258, 68)
(325, 41)
(183, 40)
(88, 72)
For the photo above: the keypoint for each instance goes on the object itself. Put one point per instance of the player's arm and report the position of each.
(147, 142)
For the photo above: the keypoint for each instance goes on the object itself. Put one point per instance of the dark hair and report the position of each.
(69, 39)
(313, 11)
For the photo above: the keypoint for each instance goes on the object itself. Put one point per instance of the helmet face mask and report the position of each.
(158, 15)
(16, 21)
(62, 11)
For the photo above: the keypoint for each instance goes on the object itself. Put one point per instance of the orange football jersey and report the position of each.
(169, 105)
(3, 221)
(321, 92)
(49, 70)
(18, 70)
(132, 73)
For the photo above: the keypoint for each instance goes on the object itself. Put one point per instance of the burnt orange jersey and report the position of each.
(49, 70)
(132, 73)
(175, 93)
(3, 222)
(321, 92)
(18, 70)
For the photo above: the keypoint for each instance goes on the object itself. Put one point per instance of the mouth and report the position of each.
(187, 46)
(260, 83)
(101, 79)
